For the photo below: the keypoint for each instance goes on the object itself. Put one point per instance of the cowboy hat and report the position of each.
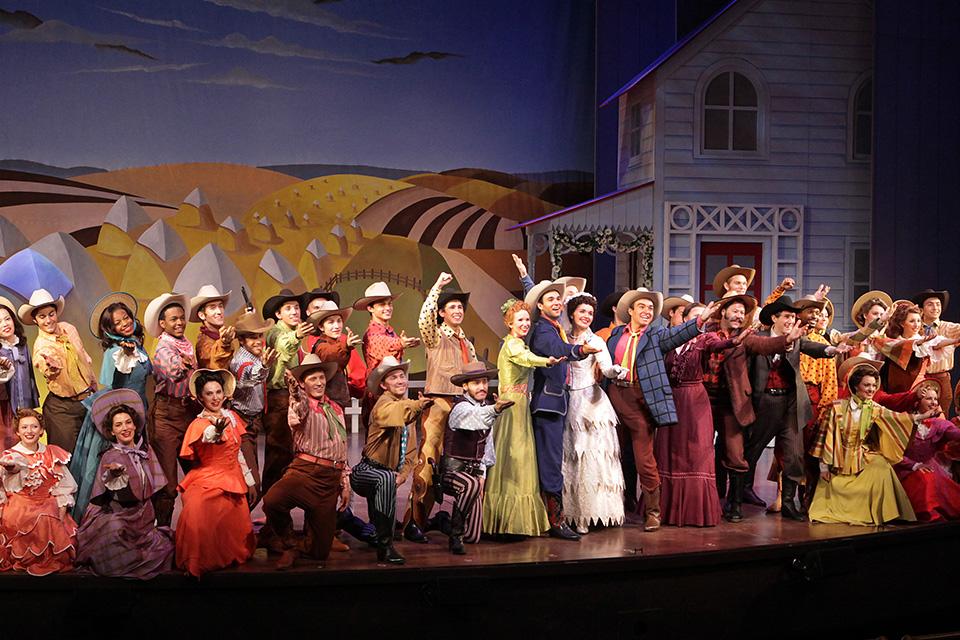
(312, 362)
(107, 400)
(250, 322)
(374, 293)
(611, 301)
(942, 388)
(848, 366)
(671, 303)
(882, 296)
(537, 292)
(944, 297)
(450, 296)
(807, 302)
(749, 302)
(151, 316)
(39, 298)
(728, 272)
(273, 304)
(207, 293)
(386, 365)
(229, 381)
(12, 308)
(626, 302)
(572, 281)
(783, 303)
(473, 371)
(327, 309)
(313, 294)
(107, 300)
(828, 307)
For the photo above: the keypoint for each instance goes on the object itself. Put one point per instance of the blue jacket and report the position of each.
(649, 369)
(550, 391)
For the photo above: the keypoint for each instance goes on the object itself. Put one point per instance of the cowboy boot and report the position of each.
(558, 524)
(356, 527)
(651, 509)
(789, 507)
(385, 549)
(735, 498)
(440, 522)
(456, 532)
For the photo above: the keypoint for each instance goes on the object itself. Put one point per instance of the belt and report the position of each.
(376, 465)
(323, 462)
(83, 395)
(776, 392)
(450, 464)
(625, 383)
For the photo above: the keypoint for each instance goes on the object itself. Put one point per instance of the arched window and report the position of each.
(730, 113)
(861, 119)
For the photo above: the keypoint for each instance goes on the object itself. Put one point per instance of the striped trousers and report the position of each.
(466, 490)
(379, 487)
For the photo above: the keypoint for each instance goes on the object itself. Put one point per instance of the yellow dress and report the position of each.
(863, 488)
(511, 500)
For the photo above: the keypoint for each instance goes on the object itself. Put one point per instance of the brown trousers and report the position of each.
(313, 488)
(729, 444)
(278, 451)
(62, 419)
(248, 445)
(636, 428)
(169, 419)
(431, 446)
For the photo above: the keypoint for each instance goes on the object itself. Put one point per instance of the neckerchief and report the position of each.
(866, 414)
(334, 424)
(117, 339)
(556, 325)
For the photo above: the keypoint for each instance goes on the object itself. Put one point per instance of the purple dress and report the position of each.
(119, 536)
(684, 451)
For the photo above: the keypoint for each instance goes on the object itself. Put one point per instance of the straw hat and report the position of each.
(229, 382)
(538, 291)
(39, 298)
(207, 293)
(374, 293)
(728, 272)
(879, 295)
(749, 302)
(672, 302)
(312, 362)
(106, 301)
(273, 304)
(573, 281)
(473, 371)
(386, 365)
(151, 317)
(107, 400)
(627, 300)
(250, 322)
(12, 308)
(848, 366)
(327, 309)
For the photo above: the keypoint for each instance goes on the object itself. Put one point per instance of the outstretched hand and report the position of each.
(743, 335)
(408, 342)
(589, 349)
(521, 267)
(552, 360)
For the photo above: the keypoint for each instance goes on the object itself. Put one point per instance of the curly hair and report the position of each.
(106, 324)
(865, 308)
(204, 378)
(858, 374)
(107, 426)
(509, 312)
(17, 325)
(898, 317)
(27, 413)
(579, 299)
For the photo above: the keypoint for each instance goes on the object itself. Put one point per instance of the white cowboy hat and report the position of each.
(106, 301)
(327, 309)
(672, 302)
(151, 317)
(375, 292)
(573, 281)
(312, 362)
(626, 302)
(386, 365)
(39, 298)
(728, 272)
(538, 291)
(207, 293)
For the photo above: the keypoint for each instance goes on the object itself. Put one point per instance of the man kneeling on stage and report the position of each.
(468, 452)
(318, 476)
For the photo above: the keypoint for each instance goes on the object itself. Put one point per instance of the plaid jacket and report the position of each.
(649, 369)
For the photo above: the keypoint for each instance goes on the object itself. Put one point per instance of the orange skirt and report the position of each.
(214, 530)
(34, 537)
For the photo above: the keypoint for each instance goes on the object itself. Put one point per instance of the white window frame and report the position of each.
(752, 74)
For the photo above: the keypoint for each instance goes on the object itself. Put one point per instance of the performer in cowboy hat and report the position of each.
(932, 304)
(174, 361)
(674, 307)
(59, 355)
(215, 341)
(733, 278)
(125, 362)
(333, 341)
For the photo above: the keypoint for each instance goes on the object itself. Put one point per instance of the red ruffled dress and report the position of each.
(214, 530)
(33, 536)
(933, 493)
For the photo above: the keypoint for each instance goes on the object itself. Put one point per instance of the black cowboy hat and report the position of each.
(449, 296)
(919, 298)
(275, 302)
(783, 303)
(313, 294)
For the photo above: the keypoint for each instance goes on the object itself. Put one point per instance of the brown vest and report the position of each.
(443, 361)
(464, 444)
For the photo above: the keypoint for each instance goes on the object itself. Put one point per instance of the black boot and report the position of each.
(385, 549)
(558, 523)
(789, 508)
(356, 527)
(734, 497)
(414, 533)
(456, 532)
(440, 522)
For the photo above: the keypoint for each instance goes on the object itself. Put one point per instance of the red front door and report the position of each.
(717, 255)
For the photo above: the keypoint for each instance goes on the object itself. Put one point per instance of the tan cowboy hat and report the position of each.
(749, 302)
(374, 293)
(250, 322)
(151, 316)
(312, 362)
(830, 311)
(12, 308)
(207, 293)
(106, 301)
(809, 301)
(107, 400)
(386, 365)
(728, 272)
(672, 302)
(573, 281)
(941, 388)
(849, 365)
(626, 302)
(538, 291)
(473, 371)
(327, 309)
(39, 298)
(879, 295)
(229, 381)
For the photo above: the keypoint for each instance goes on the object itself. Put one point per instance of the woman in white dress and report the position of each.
(592, 478)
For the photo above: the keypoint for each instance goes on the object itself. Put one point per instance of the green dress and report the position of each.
(511, 502)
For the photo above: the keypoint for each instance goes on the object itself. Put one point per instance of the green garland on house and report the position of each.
(563, 241)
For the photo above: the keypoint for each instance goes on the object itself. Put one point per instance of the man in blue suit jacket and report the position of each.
(548, 404)
(644, 400)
